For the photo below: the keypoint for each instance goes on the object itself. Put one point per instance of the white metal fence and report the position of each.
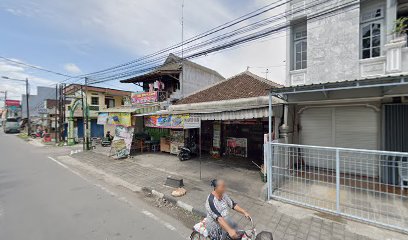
(367, 185)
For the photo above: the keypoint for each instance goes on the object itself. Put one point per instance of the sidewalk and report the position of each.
(283, 220)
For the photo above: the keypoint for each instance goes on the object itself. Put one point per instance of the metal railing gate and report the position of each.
(367, 185)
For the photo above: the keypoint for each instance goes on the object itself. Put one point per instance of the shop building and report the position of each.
(161, 87)
(97, 99)
(228, 118)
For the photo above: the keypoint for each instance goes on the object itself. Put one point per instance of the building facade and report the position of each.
(97, 99)
(331, 41)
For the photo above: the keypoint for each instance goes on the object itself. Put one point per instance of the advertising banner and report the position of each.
(102, 118)
(15, 103)
(146, 97)
(122, 142)
(237, 147)
(123, 119)
(183, 121)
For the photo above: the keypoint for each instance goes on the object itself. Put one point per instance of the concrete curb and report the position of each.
(173, 200)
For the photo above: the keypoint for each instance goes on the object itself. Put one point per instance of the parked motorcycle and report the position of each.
(189, 150)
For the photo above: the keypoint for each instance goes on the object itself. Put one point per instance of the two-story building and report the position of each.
(346, 117)
(346, 41)
(97, 99)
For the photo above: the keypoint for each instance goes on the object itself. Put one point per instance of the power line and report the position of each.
(224, 26)
(244, 39)
(35, 67)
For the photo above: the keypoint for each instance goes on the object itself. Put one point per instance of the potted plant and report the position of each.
(400, 29)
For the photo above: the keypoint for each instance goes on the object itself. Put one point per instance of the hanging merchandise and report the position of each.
(216, 140)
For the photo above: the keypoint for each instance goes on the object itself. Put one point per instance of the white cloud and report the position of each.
(143, 27)
(72, 68)
(16, 89)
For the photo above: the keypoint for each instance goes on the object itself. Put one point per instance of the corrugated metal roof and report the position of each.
(331, 86)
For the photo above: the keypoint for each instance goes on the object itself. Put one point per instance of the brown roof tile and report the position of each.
(243, 85)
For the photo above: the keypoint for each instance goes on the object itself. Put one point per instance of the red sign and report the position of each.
(146, 97)
(10, 103)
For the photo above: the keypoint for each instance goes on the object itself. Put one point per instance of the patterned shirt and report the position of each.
(217, 208)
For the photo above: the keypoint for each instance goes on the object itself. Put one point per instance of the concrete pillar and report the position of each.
(70, 134)
(390, 17)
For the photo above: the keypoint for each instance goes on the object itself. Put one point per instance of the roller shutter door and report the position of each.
(346, 127)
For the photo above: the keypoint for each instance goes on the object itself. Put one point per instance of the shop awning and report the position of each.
(143, 109)
(236, 115)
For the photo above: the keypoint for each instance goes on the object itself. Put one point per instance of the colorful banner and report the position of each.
(146, 97)
(172, 121)
(102, 118)
(122, 142)
(123, 119)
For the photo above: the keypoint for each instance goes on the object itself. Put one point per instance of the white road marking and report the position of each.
(154, 217)
(1, 210)
(123, 199)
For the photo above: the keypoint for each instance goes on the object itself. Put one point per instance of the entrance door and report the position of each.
(396, 127)
(96, 129)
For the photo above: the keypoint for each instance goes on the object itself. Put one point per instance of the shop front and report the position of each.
(234, 138)
(174, 131)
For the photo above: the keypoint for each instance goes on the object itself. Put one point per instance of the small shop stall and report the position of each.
(182, 130)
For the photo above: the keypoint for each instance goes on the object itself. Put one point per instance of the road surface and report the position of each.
(40, 199)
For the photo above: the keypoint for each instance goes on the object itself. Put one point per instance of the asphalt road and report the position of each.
(40, 199)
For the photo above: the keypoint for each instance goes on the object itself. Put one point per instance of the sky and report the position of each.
(81, 36)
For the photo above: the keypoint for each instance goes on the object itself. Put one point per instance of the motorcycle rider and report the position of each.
(218, 203)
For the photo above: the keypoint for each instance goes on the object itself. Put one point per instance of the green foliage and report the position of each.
(400, 25)
(157, 133)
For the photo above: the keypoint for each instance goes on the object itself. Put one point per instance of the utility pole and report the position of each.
(86, 114)
(83, 117)
(63, 109)
(28, 109)
(56, 113)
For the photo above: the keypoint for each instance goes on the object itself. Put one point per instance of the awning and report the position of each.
(134, 109)
(236, 115)
(119, 110)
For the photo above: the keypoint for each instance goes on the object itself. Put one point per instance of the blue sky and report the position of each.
(81, 36)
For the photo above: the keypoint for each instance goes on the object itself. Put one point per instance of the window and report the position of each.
(371, 24)
(300, 48)
(94, 100)
(110, 102)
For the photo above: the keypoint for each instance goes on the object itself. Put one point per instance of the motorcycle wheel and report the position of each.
(197, 236)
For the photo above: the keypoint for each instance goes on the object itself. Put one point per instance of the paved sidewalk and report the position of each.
(283, 220)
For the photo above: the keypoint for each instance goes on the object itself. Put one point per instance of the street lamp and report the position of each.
(27, 96)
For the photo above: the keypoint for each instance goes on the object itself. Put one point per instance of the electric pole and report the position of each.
(86, 114)
(28, 109)
(56, 113)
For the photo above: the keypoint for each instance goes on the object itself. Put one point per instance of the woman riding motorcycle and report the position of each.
(218, 204)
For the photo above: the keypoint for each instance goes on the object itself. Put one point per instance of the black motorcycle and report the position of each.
(188, 151)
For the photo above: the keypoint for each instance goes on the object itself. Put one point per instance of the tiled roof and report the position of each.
(243, 85)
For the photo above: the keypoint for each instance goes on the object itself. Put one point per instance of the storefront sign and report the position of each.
(123, 119)
(192, 122)
(15, 103)
(102, 118)
(167, 121)
(146, 97)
